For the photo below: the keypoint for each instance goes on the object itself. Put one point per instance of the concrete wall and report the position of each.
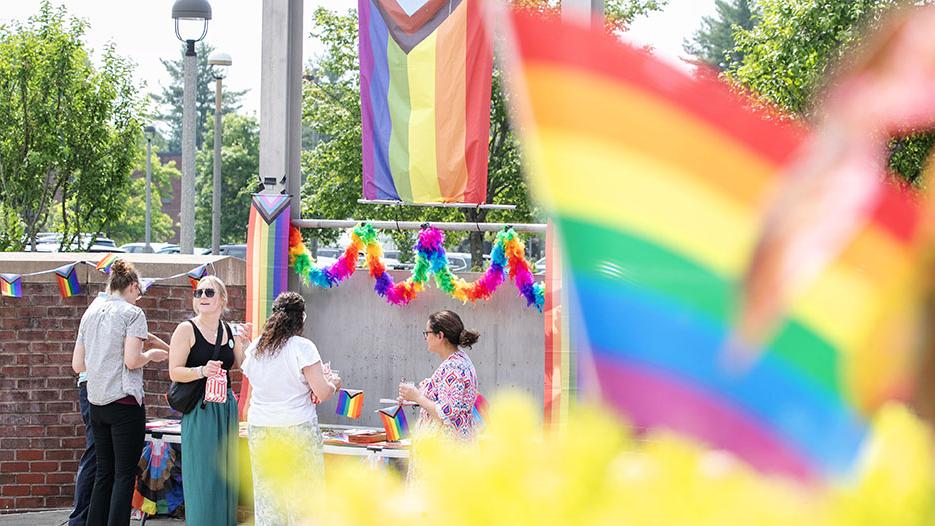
(373, 344)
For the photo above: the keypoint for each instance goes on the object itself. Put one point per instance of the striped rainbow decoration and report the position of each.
(67, 277)
(394, 422)
(560, 362)
(267, 265)
(11, 285)
(425, 80)
(350, 403)
(106, 262)
(655, 181)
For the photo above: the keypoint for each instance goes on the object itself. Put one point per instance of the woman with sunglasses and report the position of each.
(210, 430)
(285, 370)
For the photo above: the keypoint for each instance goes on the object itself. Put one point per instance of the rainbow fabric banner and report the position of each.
(67, 277)
(560, 362)
(11, 285)
(394, 422)
(425, 77)
(656, 182)
(350, 403)
(106, 262)
(195, 275)
(267, 266)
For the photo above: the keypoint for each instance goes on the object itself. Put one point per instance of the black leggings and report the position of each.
(119, 434)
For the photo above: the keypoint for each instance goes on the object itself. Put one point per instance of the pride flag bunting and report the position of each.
(195, 275)
(67, 277)
(11, 285)
(425, 80)
(350, 403)
(394, 422)
(106, 262)
(655, 181)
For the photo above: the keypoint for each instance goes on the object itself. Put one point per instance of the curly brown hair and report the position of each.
(122, 275)
(285, 322)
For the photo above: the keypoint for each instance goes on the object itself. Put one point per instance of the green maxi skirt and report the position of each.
(209, 464)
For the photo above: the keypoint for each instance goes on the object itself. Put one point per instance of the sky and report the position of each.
(143, 31)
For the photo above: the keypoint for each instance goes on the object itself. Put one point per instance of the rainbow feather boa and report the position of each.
(507, 258)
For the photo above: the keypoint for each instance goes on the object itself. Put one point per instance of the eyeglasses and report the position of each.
(425, 334)
(208, 293)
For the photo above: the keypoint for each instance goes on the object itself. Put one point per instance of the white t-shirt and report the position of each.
(280, 396)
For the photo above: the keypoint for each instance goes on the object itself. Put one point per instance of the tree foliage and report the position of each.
(131, 227)
(171, 99)
(240, 166)
(69, 130)
(333, 167)
(713, 43)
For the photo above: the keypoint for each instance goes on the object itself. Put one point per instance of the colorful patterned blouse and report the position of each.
(453, 388)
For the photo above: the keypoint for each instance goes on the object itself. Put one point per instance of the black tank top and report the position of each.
(203, 350)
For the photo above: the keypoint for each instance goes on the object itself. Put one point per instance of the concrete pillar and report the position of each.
(583, 10)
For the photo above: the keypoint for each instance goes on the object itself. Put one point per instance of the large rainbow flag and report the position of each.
(656, 182)
(425, 76)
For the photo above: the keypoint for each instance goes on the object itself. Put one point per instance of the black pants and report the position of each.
(87, 468)
(119, 434)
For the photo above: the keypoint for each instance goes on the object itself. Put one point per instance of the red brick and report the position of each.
(69, 467)
(30, 478)
(47, 490)
(51, 443)
(32, 431)
(15, 323)
(14, 396)
(46, 370)
(73, 442)
(33, 358)
(62, 312)
(64, 501)
(6, 503)
(43, 467)
(45, 347)
(14, 467)
(60, 478)
(31, 383)
(6, 454)
(14, 443)
(63, 383)
(27, 503)
(29, 454)
(14, 491)
(61, 407)
(61, 454)
(61, 431)
(14, 371)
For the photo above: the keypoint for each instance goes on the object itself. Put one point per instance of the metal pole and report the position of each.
(391, 202)
(216, 192)
(149, 194)
(415, 225)
(187, 215)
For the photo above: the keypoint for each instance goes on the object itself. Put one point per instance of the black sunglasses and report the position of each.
(208, 293)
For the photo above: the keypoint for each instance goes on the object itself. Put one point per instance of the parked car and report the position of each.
(140, 248)
(459, 261)
(237, 251)
(175, 249)
(52, 242)
(540, 266)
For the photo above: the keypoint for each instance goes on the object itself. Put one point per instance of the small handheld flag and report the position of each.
(394, 422)
(106, 262)
(350, 403)
(68, 284)
(11, 285)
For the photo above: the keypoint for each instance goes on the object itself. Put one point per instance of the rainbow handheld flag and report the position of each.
(425, 78)
(11, 285)
(655, 181)
(106, 262)
(68, 284)
(394, 422)
(350, 403)
(195, 275)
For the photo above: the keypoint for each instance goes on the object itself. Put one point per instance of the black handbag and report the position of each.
(184, 397)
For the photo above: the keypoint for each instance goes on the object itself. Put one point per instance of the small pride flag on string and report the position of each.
(68, 284)
(11, 285)
(394, 422)
(145, 283)
(350, 403)
(195, 275)
(106, 262)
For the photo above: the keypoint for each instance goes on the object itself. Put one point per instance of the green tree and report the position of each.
(68, 130)
(171, 98)
(786, 55)
(12, 229)
(240, 167)
(132, 224)
(713, 42)
(333, 166)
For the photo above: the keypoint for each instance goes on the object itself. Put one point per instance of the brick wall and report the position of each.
(41, 432)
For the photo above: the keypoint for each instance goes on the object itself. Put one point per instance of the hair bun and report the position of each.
(468, 338)
(120, 267)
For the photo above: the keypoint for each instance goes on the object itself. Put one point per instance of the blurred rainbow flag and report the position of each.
(67, 277)
(11, 285)
(394, 422)
(106, 262)
(656, 181)
(195, 274)
(350, 403)
(425, 77)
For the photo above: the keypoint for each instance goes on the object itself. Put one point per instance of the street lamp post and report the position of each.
(191, 26)
(149, 131)
(220, 61)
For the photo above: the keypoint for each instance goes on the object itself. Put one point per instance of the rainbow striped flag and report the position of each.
(394, 422)
(106, 262)
(195, 274)
(656, 182)
(425, 77)
(350, 403)
(11, 285)
(67, 277)
(560, 375)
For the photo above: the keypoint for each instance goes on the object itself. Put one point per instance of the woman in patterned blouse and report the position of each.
(447, 398)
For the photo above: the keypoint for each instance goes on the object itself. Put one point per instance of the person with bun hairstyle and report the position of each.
(109, 351)
(285, 370)
(210, 430)
(447, 398)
